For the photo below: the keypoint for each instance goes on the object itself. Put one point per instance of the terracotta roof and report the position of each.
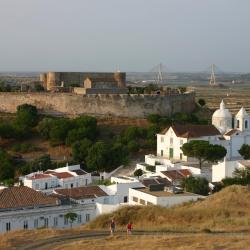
(21, 197)
(147, 182)
(82, 192)
(61, 175)
(193, 131)
(177, 174)
(231, 132)
(185, 172)
(38, 176)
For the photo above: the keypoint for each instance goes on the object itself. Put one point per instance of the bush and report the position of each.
(138, 173)
(197, 185)
(24, 147)
(80, 150)
(26, 116)
(150, 168)
(236, 181)
(133, 146)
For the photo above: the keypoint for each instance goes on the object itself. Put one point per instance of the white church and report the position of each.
(225, 130)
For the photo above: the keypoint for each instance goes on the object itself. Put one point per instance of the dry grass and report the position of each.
(159, 242)
(228, 210)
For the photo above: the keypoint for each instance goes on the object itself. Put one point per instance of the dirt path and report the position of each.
(59, 240)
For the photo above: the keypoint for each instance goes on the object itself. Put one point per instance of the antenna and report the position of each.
(212, 78)
(159, 76)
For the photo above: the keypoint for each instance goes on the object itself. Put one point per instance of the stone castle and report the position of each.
(86, 82)
(98, 94)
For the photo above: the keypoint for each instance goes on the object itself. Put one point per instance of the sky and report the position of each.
(126, 35)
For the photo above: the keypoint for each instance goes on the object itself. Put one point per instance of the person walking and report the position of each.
(112, 227)
(129, 228)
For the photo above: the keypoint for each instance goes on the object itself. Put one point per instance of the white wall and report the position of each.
(17, 218)
(222, 170)
(166, 201)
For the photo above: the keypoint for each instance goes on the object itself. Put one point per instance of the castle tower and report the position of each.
(242, 120)
(53, 79)
(43, 80)
(222, 119)
(121, 79)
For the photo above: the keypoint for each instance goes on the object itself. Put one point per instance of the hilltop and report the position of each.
(227, 210)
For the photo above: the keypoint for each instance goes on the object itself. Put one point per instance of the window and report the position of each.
(142, 202)
(66, 221)
(162, 139)
(79, 218)
(125, 199)
(37, 186)
(46, 222)
(86, 182)
(25, 224)
(36, 223)
(171, 140)
(71, 185)
(8, 227)
(46, 185)
(246, 124)
(238, 123)
(55, 221)
(150, 203)
(181, 142)
(161, 152)
(180, 156)
(135, 199)
(87, 217)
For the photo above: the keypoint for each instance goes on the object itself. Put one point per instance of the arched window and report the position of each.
(246, 124)
(238, 123)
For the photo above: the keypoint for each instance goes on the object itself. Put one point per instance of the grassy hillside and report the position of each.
(227, 210)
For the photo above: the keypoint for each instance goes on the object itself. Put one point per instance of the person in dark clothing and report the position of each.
(112, 227)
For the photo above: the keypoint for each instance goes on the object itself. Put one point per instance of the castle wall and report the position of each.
(117, 105)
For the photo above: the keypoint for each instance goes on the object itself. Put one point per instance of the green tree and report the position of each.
(201, 102)
(7, 131)
(7, 170)
(59, 130)
(245, 151)
(133, 146)
(71, 217)
(44, 127)
(80, 150)
(196, 185)
(138, 173)
(39, 88)
(154, 118)
(26, 116)
(98, 157)
(203, 151)
(118, 155)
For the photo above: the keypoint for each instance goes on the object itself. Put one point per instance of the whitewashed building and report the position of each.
(24, 208)
(66, 177)
(145, 196)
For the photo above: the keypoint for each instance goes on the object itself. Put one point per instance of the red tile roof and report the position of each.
(82, 192)
(231, 132)
(193, 131)
(61, 175)
(21, 197)
(177, 174)
(39, 176)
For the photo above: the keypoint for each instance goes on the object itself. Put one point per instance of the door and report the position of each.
(171, 153)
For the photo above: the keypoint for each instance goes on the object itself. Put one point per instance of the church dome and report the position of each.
(222, 112)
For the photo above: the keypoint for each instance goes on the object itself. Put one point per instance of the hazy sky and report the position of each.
(132, 35)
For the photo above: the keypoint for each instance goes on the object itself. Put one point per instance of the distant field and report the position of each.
(235, 96)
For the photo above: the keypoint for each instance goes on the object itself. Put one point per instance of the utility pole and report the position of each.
(212, 78)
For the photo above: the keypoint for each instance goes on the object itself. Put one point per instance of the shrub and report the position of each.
(150, 168)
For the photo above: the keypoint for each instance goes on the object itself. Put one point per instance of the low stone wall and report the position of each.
(118, 105)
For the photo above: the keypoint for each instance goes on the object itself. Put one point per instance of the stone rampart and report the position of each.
(117, 105)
